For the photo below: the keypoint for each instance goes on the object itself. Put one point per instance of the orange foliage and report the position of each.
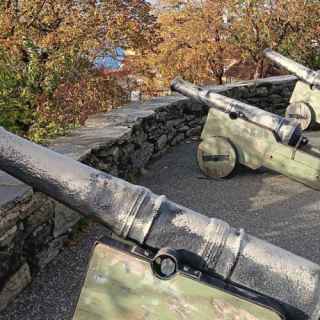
(54, 43)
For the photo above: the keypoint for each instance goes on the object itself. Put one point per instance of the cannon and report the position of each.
(180, 259)
(305, 100)
(238, 133)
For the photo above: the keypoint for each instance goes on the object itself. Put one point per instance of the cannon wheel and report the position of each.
(217, 157)
(301, 112)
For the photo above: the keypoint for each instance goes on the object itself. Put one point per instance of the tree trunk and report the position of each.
(219, 79)
(259, 69)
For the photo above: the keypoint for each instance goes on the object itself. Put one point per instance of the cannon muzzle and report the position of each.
(288, 131)
(135, 213)
(307, 75)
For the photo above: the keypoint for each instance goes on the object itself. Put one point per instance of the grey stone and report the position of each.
(190, 117)
(156, 133)
(160, 153)
(114, 171)
(286, 92)
(203, 120)
(127, 150)
(174, 123)
(141, 156)
(49, 253)
(39, 237)
(64, 219)
(12, 192)
(9, 218)
(162, 102)
(117, 117)
(194, 131)
(175, 112)
(139, 136)
(195, 106)
(7, 238)
(171, 133)
(113, 153)
(262, 92)
(161, 116)
(275, 99)
(14, 285)
(41, 215)
(104, 166)
(72, 150)
(194, 123)
(180, 137)
(95, 137)
(238, 92)
(184, 128)
(255, 101)
(161, 143)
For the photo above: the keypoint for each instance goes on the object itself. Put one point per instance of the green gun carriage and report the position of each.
(305, 101)
(238, 133)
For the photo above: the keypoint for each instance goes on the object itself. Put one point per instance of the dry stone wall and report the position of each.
(33, 227)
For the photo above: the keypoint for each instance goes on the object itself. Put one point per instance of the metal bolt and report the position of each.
(168, 267)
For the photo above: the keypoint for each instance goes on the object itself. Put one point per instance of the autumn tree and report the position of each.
(201, 39)
(284, 25)
(193, 45)
(48, 49)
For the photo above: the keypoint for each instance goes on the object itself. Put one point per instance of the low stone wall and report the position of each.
(33, 228)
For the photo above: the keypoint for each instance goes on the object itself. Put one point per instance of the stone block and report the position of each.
(275, 99)
(141, 156)
(48, 253)
(64, 219)
(139, 136)
(42, 215)
(7, 238)
(262, 92)
(12, 192)
(161, 143)
(126, 151)
(14, 285)
(113, 153)
(194, 131)
(195, 122)
(195, 106)
(183, 128)
(177, 139)
(190, 117)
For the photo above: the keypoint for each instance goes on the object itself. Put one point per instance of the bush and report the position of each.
(17, 94)
(72, 102)
(40, 107)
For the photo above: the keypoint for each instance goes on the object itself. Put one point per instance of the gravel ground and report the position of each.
(265, 204)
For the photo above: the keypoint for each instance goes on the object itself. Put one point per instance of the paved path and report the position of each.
(267, 205)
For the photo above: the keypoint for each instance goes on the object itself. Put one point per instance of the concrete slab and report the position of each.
(12, 191)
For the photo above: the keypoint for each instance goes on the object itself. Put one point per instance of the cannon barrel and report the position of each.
(305, 74)
(287, 131)
(137, 214)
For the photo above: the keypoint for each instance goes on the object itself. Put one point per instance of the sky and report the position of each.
(109, 62)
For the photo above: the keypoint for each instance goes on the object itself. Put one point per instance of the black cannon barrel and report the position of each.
(288, 131)
(305, 74)
(135, 213)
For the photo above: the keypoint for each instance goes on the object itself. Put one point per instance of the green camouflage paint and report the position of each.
(120, 286)
(257, 147)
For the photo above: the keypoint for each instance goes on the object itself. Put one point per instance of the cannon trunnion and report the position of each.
(238, 133)
(305, 101)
